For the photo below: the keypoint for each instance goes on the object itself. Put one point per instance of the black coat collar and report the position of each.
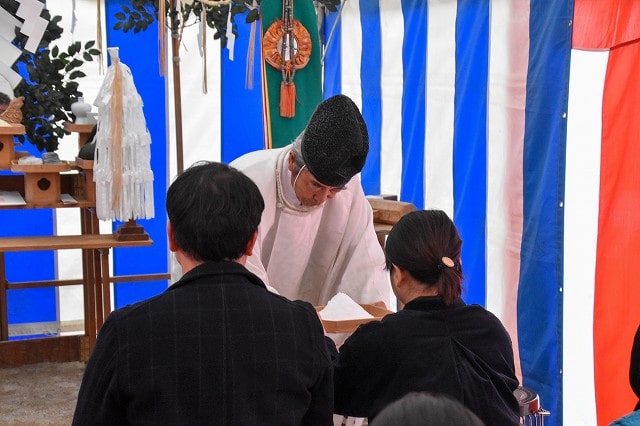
(224, 267)
(430, 303)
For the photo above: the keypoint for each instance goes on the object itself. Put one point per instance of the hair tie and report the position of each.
(446, 261)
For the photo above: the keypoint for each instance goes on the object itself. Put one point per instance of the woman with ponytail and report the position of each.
(436, 343)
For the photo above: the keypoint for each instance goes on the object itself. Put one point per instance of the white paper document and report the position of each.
(68, 199)
(11, 198)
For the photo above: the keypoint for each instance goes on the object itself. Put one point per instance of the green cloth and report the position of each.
(308, 80)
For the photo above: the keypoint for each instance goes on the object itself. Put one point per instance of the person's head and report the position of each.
(214, 211)
(329, 152)
(5, 100)
(419, 408)
(423, 250)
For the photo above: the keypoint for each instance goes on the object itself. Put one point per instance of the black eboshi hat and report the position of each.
(335, 142)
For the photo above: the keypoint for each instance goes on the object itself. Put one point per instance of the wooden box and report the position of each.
(41, 181)
(7, 132)
(89, 187)
(6, 151)
(349, 326)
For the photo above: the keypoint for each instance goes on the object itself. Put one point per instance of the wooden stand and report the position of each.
(42, 187)
(86, 169)
(386, 213)
(7, 152)
(83, 130)
(96, 287)
(131, 231)
(6, 149)
(96, 280)
(41, 181)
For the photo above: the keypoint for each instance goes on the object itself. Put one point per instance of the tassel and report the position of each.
(287, 99)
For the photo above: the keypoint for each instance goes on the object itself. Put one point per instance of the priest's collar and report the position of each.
(286, 195)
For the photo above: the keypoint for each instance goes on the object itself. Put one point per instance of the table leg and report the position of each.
(90, 271)
(89, 288)
(105, 284)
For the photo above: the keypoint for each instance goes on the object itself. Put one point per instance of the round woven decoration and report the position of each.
(272, 44)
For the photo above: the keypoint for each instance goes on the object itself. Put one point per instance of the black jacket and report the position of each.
(214, 348)
(462, 351)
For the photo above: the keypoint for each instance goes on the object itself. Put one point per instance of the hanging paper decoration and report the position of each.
(250, 53)
(122, 171)
(33, 27)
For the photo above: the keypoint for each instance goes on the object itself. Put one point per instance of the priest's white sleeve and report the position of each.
(359, 269)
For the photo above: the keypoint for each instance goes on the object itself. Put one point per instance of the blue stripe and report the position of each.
(38, 304)
(241, 106)
(332, 65)
(470, 141)
(414, 63)
(539, 295)
(150, 86)
(370, 77)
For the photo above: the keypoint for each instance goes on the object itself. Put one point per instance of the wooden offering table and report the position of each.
(96, 289)
(95, 249)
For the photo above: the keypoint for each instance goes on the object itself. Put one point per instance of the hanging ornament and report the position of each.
(287, 47)
(122, 168)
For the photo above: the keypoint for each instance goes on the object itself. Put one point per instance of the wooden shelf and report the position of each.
(83, 131)
(64, 242)
(11, 128)
(70, 183)
(64, 166)
(78, 128)
(75, 179)
(15, 353)
(58, 205)
(84, 164)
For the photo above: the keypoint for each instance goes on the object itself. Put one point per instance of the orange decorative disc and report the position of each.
(272, 46)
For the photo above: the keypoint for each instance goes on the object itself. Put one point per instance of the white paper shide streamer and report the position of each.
(122, 166)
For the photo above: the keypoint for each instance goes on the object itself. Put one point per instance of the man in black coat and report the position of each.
(216, 347)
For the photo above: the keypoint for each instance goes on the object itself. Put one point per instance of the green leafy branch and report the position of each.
(142, 13)
(50, 89)
(50, 85)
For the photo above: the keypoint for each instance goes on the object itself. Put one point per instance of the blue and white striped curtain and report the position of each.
(466, 102)
(466, 106)
(472, 108)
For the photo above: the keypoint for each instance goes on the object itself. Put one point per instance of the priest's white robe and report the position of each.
(313, 253)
